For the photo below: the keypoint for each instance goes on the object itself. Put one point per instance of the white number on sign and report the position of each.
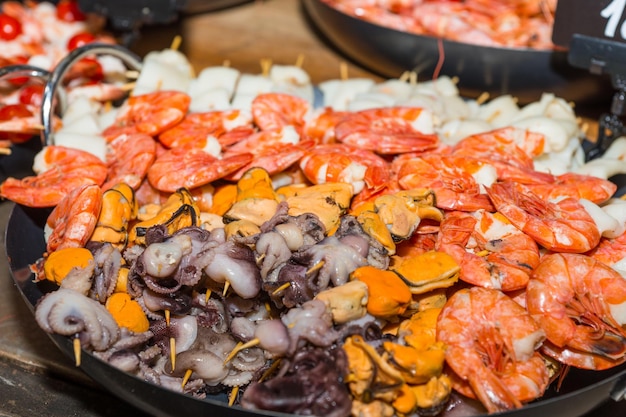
(614, 12)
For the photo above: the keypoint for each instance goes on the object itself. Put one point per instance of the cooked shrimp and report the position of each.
(510, 254)
(563, 226)
(191, 168)
(321, 127)
(388, 130)
(510, 150)
(128, 159)
(195, 127)
(275, 158)
(492, 346)
(61, 170)
(509, 144)
(610, 250)
(272, 111)
(580, 303)
(74, 219)
(597, 190)
(453, 179)
(342, 163)
(150, 113)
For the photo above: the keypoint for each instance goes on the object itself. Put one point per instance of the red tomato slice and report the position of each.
(68, 11)
(10, 27)
(31, 94)
(80, 39)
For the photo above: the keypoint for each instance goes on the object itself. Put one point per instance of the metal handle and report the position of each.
(11, 71)
(618, 393)
(24, 71)
(56, 78)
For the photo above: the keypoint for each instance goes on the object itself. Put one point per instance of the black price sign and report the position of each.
(603, 19)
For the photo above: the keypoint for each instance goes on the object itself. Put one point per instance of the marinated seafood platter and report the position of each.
(349, 248)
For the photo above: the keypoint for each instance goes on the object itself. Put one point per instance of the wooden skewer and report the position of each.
(77, 351)
(314, 268)
(188, 373)
(167, 318)
(300, 60)
(233, 396)
(173, 352)
(482, 98)
(226, 287)
(241, 346)
(176, 42)
(282, 287)
(266, 64)
(207, 296)
(270, 370)
(343, 71)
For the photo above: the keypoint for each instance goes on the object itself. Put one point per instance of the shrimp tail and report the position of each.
(491, 391)
(609, 345)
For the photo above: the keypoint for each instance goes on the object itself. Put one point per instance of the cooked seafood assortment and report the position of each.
(367, 253)
(498, 23)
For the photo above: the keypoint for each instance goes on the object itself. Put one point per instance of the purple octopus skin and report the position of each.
(210, 313)
(179, 302)
(275, 252)
(300, 290)
(312, 322)
(236, 264)
(310, 226)
(272, 334)
(183, 329)
(351, 232)
(68, 313)
(205, 365)
(339, 261)
(108, 262)
(312, 385)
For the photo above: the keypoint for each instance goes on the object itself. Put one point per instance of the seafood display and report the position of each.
(41, 34)
(373, 252)
(501, 23)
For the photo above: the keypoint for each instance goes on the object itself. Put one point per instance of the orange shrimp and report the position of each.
(510, 255)
(195, 127)
(74, 219)
(389, 130)
(579, 302)
(150, 113)
(61, 170)
(321, 128)
(510, 150)
(453, 179)
(509, 144)
(191, 168)
(274, 158)
(365, 170)
(147, 194)
(570, 184)
(274, 150)
(492, 347)
(128, 159)
(563, 226)
(273, 111)
(610, 250)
